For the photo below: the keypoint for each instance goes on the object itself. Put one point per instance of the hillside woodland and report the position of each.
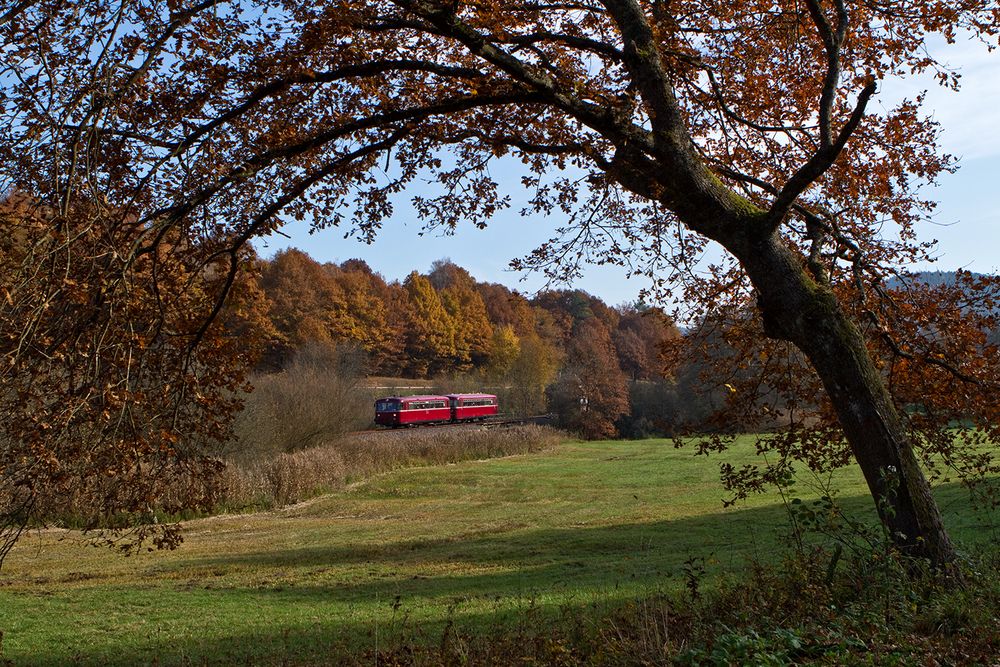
(601, 371)
(323, 327)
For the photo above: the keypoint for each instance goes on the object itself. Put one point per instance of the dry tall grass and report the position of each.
(290, 478)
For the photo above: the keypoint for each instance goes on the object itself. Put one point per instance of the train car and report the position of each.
(469, 407)
(405, 410)
(396, 411)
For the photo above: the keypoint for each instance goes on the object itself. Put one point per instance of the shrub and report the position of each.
(315, 399)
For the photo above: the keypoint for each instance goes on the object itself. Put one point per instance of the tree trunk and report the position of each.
(795, 308)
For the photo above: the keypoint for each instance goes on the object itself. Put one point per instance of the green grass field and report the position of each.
(582, 526)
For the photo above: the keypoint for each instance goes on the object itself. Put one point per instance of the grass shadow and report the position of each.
(298, 611)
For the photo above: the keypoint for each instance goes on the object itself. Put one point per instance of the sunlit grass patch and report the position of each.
(479, 545)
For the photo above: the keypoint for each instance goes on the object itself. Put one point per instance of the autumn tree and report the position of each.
(653, 389)
(507, 308)
(118, 386)
(473, 331)
(504, 350)
(641, 335)
(591, 392)
(309, 302)
(430, 330)
(306, 304)
(365, 320)
(383, 315)
(650, 128)
(564, 308)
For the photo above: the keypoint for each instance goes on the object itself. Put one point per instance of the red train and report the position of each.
(398, 411)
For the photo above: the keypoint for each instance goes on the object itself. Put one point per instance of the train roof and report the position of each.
(434, 397)
(419, 397)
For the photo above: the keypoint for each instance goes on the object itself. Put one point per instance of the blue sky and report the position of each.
(966, 223)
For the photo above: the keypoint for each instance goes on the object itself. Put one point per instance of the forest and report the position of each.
(598, 369)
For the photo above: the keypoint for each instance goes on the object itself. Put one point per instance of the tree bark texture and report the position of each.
(797, 309)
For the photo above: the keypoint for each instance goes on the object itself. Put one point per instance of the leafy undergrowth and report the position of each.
(869, 612)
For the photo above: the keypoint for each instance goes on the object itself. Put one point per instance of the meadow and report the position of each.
(414, 555)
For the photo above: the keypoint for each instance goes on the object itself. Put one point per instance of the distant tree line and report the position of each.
(603, 371)
(599, 368)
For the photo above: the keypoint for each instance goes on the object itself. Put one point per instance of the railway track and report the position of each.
(489, 422)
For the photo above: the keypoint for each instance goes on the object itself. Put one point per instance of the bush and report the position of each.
(316, 398)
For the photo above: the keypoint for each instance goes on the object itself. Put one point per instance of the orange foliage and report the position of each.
(110, 411)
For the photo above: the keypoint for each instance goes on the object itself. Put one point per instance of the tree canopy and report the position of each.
(650, 128)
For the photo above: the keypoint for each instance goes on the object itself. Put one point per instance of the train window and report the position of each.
(425, 405)
(478, 402)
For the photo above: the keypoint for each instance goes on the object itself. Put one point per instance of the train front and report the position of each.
(387, 411)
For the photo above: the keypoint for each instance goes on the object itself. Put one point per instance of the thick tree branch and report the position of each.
(518, 142)
(833, 39)
(273, 88)
(164, 218)
(582, 43)
(276, 86)
(9, 16)
(818, 164)
(602, 119)
(642, 57)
